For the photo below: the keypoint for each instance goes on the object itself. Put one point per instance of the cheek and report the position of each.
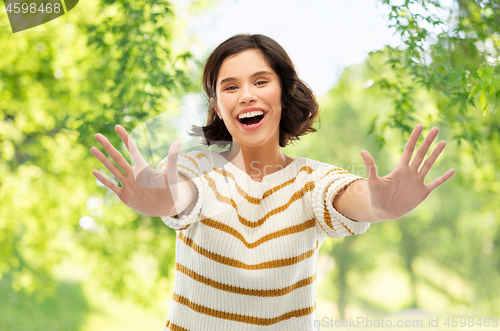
(273, 97)
(225, 101)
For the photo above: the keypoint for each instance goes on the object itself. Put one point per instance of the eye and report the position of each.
(230, 88)
(262, 81)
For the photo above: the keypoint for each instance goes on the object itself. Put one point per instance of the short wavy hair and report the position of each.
(299, 106)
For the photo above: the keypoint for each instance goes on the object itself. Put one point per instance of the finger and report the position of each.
(106, 182)
(113, 152)
(107, 163)
(432, 158)
(441, 180)
(172, 173)
(122, 133)
(139, 161)
(370, 165)
(410, 145)
(423, 149)
(173, 155)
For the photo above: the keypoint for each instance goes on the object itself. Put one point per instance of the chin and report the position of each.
(254, 142)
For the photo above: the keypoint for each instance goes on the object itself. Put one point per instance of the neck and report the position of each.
(258, 162)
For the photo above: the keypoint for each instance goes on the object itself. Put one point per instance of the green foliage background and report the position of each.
(123, 62)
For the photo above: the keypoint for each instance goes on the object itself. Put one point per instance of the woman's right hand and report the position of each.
(152, 192)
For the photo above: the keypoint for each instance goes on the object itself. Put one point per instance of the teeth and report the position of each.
(251, 114)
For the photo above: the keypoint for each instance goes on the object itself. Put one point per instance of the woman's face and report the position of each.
(247, 85)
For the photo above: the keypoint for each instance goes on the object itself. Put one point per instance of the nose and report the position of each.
(247, 94)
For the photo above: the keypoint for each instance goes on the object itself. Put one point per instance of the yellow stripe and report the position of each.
(309, 186)
(257, 201)
(327, 217)
(192, 160)
(174, 327)
(201, 155)
(184, 167)
(328, 220)
(321, 226)
(284, 232)
(340, 171)
(242, 318)
(326, 213)
(241, 290)
(238, 264)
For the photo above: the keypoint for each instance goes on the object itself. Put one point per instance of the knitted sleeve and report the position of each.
(191, 166)
(329, 182)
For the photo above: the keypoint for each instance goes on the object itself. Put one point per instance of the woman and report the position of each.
(248, 234)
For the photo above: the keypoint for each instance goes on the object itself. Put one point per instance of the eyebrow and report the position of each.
(230, 79)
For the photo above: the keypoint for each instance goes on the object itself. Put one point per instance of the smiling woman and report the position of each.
(271, 66)
(250, 221)
(253, 91)
(247, 247)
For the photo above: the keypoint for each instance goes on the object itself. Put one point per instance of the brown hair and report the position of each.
(299, 106)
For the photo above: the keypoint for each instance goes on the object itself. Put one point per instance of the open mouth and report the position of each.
(249, 121)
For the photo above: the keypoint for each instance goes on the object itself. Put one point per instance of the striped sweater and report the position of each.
(247, 251)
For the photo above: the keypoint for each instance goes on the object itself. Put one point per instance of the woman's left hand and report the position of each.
(398, 193)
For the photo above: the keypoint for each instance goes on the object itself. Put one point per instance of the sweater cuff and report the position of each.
(188, 166)
(331, 221)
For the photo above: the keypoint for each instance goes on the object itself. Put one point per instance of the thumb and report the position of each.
(172, 179)
(370, 164)
(173, 155)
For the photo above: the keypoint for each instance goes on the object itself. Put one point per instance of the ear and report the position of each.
(212, 104)
(217, 112)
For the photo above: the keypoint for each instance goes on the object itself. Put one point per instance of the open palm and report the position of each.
(149, 191)
(398, 193)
